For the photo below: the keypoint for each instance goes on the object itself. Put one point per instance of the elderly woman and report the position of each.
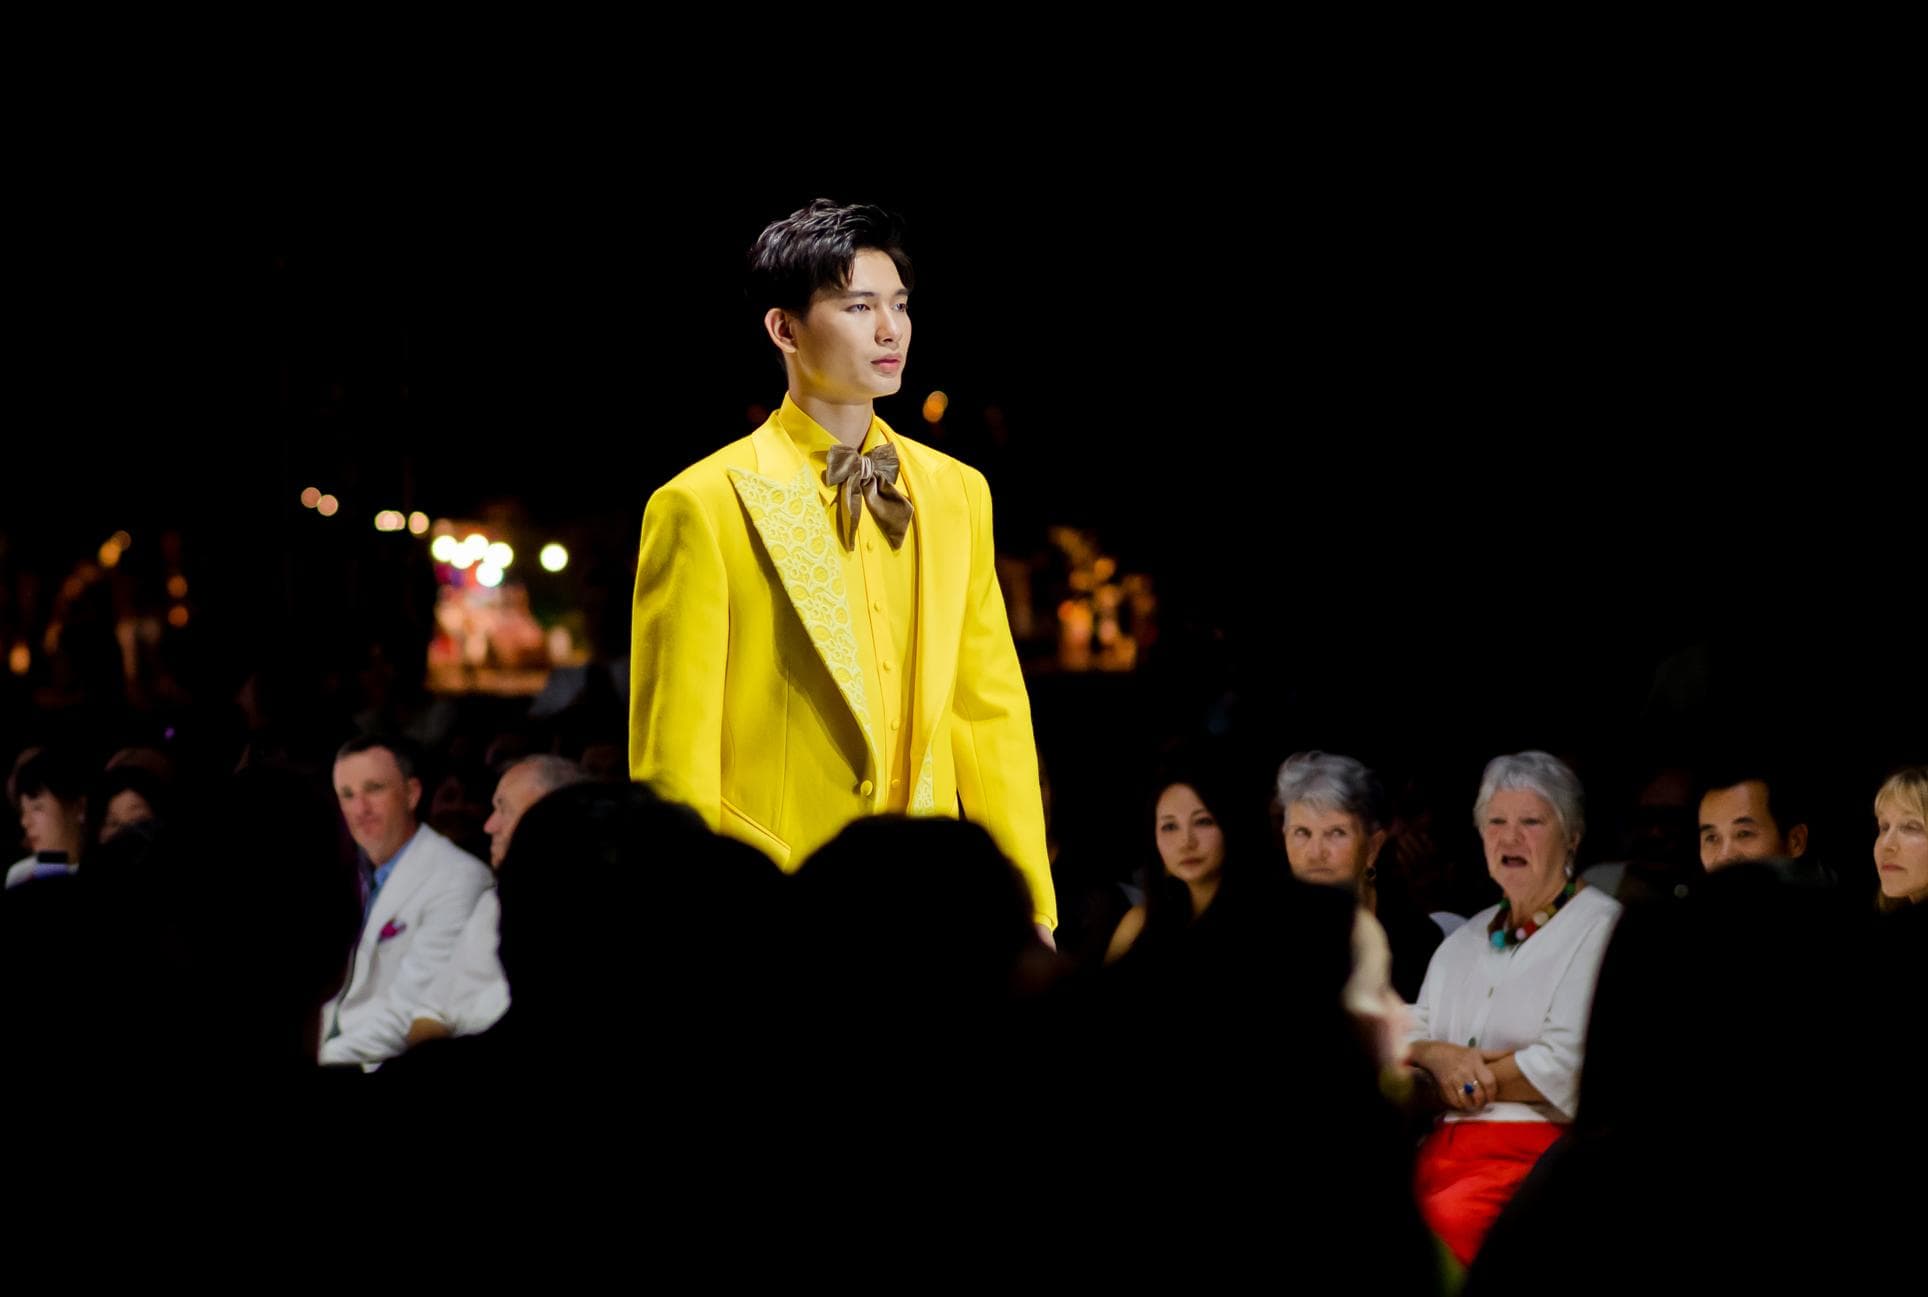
(1335, 829)
(1500, 1023)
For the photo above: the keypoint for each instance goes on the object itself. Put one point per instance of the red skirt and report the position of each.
(1468, 1169)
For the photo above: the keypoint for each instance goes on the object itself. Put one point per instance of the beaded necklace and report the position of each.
(1505, 933)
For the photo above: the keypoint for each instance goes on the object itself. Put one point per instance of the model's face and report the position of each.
(850, 346)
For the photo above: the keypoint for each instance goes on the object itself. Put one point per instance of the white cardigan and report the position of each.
(1533, 998)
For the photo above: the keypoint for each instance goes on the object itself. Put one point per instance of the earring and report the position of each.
(1371, 874)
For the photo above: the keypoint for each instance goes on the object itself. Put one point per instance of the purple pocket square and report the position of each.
(391, 929)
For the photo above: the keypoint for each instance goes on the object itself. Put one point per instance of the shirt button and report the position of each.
(1489, 992)
(895, 726)
(870, 546)
(886, 666)
(896, 783)
(866, 788)
(878, 607)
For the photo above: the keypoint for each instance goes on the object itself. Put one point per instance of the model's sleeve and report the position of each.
(991, 739)
(679, 637)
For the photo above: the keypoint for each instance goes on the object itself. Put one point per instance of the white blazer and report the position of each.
(407, 940)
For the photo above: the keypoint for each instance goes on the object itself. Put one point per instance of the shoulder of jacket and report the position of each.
(708, 479)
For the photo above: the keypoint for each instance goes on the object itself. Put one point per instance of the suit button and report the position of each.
(866, 788)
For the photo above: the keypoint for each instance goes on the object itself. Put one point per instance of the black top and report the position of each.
(1413, 936)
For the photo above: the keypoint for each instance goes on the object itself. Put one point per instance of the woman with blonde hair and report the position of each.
(1901, 838)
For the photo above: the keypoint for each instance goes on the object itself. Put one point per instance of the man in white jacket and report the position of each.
(418, 891)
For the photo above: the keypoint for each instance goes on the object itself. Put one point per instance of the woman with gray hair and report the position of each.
(1336, 824)
(1500, 1023)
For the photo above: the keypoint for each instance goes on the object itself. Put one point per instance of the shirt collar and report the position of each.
(813, 441)
(380, 874)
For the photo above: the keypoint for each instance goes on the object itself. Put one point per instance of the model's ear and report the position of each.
(782, 328)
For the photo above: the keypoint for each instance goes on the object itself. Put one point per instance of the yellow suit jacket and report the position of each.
(746, 689)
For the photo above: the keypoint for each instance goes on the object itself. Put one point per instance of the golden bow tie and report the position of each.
(868, 480)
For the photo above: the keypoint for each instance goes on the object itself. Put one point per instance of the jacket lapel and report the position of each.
(787, 511)
(410, 871)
